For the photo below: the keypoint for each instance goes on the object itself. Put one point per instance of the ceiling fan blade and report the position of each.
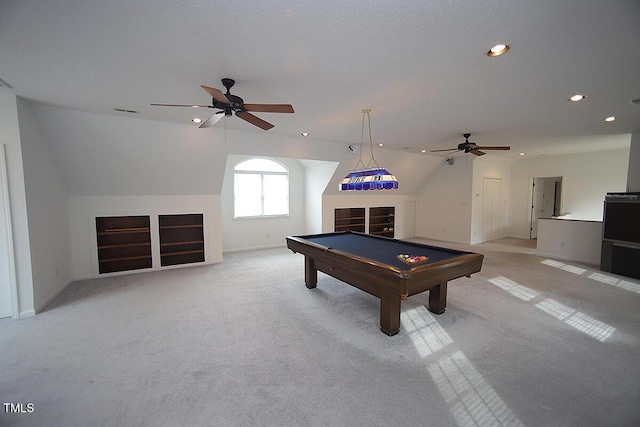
(212, 120)
(445, 149)
(216, 94)
(269, 108)
(477, 152)
(495, 148)
(183, 105)
(256, 121)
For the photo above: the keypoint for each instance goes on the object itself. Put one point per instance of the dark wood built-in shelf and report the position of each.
(124, 243)
(349, 219)
(181, 239)
(382, 221)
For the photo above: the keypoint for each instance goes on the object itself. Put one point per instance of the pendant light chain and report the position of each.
(360, 162)
(366, 177)
(367, 111)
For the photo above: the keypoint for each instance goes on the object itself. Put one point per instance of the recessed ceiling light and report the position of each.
(381, 145)
(498, 50)
(305, 134)
(522, 154)
(610, 119)
(423, 151)
(577, 97)
(196, 120)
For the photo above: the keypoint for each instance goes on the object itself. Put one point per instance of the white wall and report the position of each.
(255, 233)
(570, 240)
(47, 209)
(444, 204)
(317, 175)
(586, 178)
(10, 137)
(106, 155)
(84, 210)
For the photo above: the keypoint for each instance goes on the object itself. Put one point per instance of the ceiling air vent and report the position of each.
(122, 110)
(5, 84)
(635, 102)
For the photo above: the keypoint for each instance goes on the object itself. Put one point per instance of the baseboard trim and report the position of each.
(25, 314)
(255, 248)
(50, 300)
(440, 239)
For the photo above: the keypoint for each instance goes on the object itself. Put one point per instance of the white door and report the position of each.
(7, 267)
(491, 209)
(409, 219)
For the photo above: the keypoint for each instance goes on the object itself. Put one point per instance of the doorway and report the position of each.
(546, 198)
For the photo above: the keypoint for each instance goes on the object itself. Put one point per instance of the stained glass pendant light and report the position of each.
(370, 176)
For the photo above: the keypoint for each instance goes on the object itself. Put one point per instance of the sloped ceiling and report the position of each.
(419, 65)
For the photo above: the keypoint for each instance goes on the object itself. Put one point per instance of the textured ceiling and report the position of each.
(419, 65)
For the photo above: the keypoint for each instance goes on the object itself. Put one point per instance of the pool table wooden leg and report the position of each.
(438, 298)
(389, 312)
(310, 272)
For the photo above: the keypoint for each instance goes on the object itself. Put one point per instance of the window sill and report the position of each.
(244, 218)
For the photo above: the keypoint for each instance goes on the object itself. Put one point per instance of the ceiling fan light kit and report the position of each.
(229, 104)
(367, 177)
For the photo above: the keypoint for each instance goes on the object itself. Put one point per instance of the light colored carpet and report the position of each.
(527, 341)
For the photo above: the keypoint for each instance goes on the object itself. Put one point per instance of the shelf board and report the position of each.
(124, 231)
(166, 227)
(183, 253)
(124, 245)
(126, 258)
(190, 242)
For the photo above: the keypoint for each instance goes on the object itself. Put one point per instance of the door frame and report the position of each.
(563, 180)
(6, 215)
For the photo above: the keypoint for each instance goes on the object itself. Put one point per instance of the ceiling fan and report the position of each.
(472, 147)
(229, 104)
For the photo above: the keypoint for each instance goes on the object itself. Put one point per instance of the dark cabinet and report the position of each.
(382, 220)
(621, 234)
(124, 243)
(349, 219)
(181, 239)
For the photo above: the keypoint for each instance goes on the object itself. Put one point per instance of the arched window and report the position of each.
(260, 188)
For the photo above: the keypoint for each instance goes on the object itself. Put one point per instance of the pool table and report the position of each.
(371, 263)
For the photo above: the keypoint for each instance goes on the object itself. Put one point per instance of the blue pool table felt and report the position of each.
(384, 251)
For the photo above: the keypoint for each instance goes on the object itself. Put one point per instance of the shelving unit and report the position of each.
(181, 239)
(382, 220)
(124, 243)
(349, 219)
